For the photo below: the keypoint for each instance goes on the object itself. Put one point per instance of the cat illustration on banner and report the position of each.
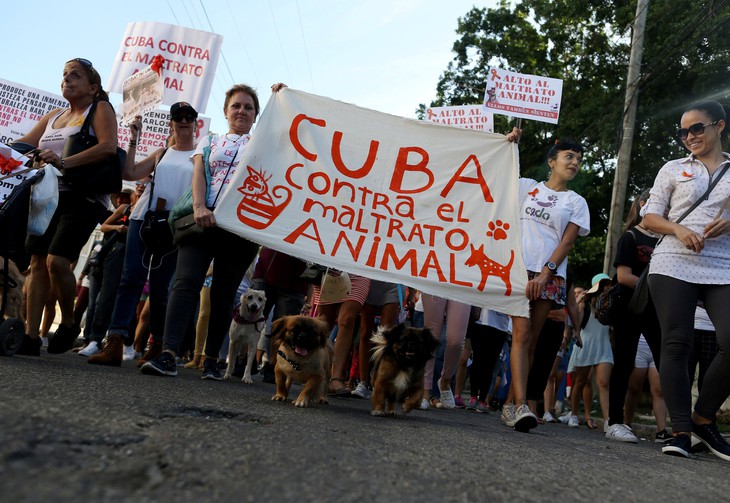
(258, 208)
(489, 267)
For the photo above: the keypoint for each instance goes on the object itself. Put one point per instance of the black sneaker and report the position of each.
(239, 368)
(709, 435)
(269, 375)
(162, 365)
(210, 370)
(30, 346)
(681, 445)
(63, 339)
(662, 437)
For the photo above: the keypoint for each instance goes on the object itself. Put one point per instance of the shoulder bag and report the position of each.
(182, 215)
(99, 177)
(640, 299)
(155, 232)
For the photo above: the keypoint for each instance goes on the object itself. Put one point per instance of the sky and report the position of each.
(386, 55)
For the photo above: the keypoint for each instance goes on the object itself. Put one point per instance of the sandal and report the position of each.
(341, 392)
(590, 424)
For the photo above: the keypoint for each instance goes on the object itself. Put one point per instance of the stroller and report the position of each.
(14, 213)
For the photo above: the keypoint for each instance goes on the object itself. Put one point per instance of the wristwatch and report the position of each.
(552, 267)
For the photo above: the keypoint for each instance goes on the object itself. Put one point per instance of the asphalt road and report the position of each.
(70, 431)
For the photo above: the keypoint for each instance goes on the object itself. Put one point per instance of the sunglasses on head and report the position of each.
(84, 62)
(188, 118)
(696, 129)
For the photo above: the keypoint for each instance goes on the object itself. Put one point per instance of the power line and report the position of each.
(304, 43)
(281, 46)
(223, 56)
(243, 45)
(177, 22)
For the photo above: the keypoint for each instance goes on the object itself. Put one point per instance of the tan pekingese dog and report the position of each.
(303, 355)
(399, 360)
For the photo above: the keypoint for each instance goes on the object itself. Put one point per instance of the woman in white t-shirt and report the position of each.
(173, 172)
(692, 263)
(551, 219)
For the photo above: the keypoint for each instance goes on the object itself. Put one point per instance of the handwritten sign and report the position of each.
(191, 57)
(142, 92)
(384, 197)
(474, 117)
(522, 95)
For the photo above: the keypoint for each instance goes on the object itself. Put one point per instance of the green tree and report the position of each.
(586, 43)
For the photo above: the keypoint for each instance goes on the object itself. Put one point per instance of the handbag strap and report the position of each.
(704, 196)
(225, 178)
(87, 121)
(153, 176)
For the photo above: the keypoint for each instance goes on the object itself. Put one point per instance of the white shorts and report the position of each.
(644, 357)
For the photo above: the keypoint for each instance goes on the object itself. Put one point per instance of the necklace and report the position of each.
(227, 137)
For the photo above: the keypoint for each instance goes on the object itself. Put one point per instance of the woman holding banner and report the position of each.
(232, 254)
(546, 243)
(53, 253)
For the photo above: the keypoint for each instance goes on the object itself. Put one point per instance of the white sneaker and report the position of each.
(128, 353)
(91, 349)
(361, 391)
(621, 433)
(549, 418)
(573, 422)
(525, 420)
(508, 414)
(424, 404)
(564, 418)
(44, 340)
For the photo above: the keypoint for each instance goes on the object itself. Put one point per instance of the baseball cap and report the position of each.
(182, 107)
(596, 282)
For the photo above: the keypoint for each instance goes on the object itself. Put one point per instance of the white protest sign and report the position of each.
(21, 107)
(524, 96)
(385, 197)
(142, 92)
(474, 117)
(191, 57)
(155, 132)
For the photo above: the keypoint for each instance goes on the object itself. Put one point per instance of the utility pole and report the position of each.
(623, 163)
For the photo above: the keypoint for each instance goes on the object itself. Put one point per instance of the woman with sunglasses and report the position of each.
(173, 173)
(53, 253)
(692, 263)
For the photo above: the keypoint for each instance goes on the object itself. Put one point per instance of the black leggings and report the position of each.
(546, 349)
(627, 328)
(676, 302)
(486, 344)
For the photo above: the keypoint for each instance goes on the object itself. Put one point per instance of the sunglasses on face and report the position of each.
(143, 184)
(696, 129)
(188, 118)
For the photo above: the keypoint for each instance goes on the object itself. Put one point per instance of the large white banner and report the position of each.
(385, 197)
(191, 57)
(522, 95)
(21, 107)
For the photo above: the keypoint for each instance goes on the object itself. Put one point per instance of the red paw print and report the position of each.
(498, 230)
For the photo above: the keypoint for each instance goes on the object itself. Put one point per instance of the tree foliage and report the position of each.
(586, 43)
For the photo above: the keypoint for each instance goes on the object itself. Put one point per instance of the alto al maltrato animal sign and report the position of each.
(385, 197)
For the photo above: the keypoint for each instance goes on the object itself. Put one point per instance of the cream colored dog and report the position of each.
(15, 302)
(246, 328)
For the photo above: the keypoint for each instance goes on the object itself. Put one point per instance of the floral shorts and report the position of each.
(554, 290)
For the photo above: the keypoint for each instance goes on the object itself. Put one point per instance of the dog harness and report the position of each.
(243, 321)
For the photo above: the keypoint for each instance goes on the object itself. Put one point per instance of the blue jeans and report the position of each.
(104, 305)
(137, 262)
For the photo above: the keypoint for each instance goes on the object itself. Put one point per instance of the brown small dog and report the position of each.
(303, 355)
(399, 357)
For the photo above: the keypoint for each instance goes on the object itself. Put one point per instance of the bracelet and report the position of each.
(63, 163)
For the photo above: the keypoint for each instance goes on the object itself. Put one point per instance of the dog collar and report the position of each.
(293, 364)
(243, 321)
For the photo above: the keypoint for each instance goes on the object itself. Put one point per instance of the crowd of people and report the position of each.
(166, 298)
